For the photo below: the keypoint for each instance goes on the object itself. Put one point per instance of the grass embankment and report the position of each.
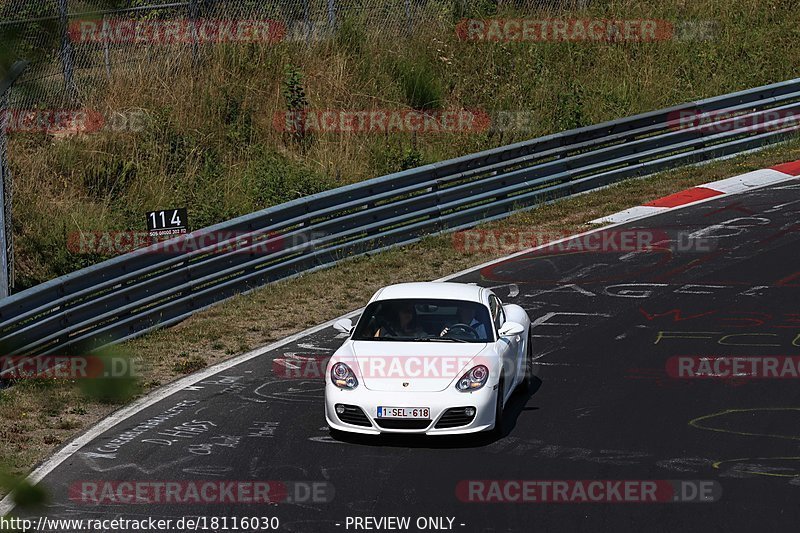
(39, 417)
(210, 143)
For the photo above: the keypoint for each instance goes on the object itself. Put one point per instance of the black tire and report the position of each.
(497, 431)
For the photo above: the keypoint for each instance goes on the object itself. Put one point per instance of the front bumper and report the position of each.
(482, 400)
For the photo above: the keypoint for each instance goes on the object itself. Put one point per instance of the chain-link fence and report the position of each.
(78, 44)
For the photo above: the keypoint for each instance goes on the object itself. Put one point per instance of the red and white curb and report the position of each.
(736, 184)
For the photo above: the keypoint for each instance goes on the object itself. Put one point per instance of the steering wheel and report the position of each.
(460, 329)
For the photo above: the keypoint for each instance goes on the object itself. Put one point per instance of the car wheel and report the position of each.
(497, 431)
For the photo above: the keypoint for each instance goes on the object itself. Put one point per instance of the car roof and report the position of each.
(437, 290)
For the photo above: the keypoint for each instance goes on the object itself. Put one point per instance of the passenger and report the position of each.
(405, 324)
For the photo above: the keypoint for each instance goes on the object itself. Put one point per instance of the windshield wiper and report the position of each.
(440, 339)
(411, 339)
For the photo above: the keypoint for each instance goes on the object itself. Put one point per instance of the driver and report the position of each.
(466, 315)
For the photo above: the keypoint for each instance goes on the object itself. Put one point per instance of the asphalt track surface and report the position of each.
(606, 325)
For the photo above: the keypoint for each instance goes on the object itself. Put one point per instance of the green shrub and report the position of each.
(273, 179)
(420, 83)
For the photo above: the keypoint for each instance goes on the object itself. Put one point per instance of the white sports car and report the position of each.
(435, 358)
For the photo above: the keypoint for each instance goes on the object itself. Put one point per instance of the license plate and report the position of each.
(404, 412)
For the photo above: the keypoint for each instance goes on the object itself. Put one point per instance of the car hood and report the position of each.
(414, 366)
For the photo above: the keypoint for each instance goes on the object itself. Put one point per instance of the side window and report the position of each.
(498, 315)
(501, 315)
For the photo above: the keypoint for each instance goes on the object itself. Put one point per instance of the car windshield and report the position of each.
(425, 320)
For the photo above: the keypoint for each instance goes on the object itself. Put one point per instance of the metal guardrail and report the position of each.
(153, 287)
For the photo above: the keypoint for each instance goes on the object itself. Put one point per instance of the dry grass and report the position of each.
(211, 145)
(39, 418)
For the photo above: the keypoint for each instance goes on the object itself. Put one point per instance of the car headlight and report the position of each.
(343, 377)
(474, 379)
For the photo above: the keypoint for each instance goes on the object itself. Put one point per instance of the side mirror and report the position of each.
(345, 325)
(510, 329)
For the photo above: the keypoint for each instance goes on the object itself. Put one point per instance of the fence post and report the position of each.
(331, 14)
(6, 237)
(409, 20)
(67, 54)
(106, 51)
(194, 16)
(307, 20)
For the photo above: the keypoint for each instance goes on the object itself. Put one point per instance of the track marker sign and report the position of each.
(168, 222)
